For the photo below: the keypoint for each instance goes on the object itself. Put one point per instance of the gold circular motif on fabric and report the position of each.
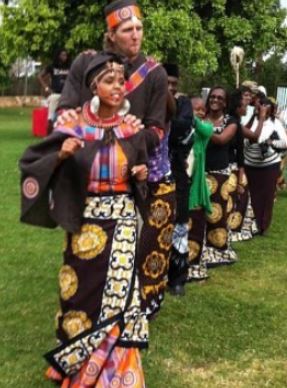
(217, 237)
(160, 212)
(75, 322)
(155, 265)
(224, 191)
(90, 242)
(229, 204)
(212, 183)
(68, 281)
(216, 213)
(232, 183)
(165, 188)
(165, 237)
(193, 250)
(234, 220)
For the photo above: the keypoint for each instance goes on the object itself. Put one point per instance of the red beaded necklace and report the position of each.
(96, 121)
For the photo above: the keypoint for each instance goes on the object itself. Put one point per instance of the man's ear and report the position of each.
(111, 36)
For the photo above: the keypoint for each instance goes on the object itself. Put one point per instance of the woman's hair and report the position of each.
(245, 89)
(263, 100)
(108, 45)
(209, 94)
(56, 59)
(235, 101)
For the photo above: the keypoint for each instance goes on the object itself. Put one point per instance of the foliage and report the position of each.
(273, 74)
(197, 34)
(257, 26)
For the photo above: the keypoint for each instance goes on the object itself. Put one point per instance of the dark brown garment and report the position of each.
(197, 223)
(218, 250)
(54, 194)
(154, 245)
(148, 100)
(262, 184)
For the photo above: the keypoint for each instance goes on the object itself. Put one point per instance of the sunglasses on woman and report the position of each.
(216, 97)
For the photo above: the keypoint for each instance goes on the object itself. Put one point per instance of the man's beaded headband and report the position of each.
(122, 15)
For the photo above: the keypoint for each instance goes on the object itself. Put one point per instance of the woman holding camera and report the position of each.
(262, 161)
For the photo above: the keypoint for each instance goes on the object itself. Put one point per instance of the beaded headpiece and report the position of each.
(120, 11)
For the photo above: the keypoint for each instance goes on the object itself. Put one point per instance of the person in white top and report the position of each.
(262, 162)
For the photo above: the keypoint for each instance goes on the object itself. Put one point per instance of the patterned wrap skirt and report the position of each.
(240, 219)
(196, 241)
(218, 250)
(101, 326)
(155, 243)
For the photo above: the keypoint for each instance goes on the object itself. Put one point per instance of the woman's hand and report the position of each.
(67, 115)
(140, 171)
(70, 147)
(133, 121)
(47, 91)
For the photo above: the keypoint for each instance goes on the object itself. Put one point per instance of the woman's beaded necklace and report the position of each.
(95, 121)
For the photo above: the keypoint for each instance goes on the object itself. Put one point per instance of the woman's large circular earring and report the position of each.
(95, 104)
(125, 108)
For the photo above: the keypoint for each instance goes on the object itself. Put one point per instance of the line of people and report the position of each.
(125, 152)
(243, 157)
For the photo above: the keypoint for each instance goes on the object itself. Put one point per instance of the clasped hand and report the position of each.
(70, 147)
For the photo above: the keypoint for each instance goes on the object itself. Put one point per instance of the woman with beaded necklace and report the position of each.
(218, 250)
(86, 177)
(211, 228)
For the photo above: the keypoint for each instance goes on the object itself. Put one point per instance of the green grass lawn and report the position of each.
(230, 331)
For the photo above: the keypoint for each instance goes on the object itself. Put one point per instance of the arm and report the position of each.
(203, 129)
(44, 77)
(254, 135)
(280, 143)
(38, 165)
(227, 134)
(155, 114)
(182, 125)
(170, 106)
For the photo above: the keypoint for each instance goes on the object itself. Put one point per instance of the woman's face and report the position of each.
(241, 110)
(247, 98)
(111, 89)
(63, 57)
(217, 100)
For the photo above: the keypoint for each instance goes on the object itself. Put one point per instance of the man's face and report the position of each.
(128, 37)
(172, 84)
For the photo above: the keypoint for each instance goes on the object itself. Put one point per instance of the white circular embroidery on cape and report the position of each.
(30, 188)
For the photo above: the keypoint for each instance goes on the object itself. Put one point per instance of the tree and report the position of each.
(257, 26)
(197, 34)
(273, 74)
